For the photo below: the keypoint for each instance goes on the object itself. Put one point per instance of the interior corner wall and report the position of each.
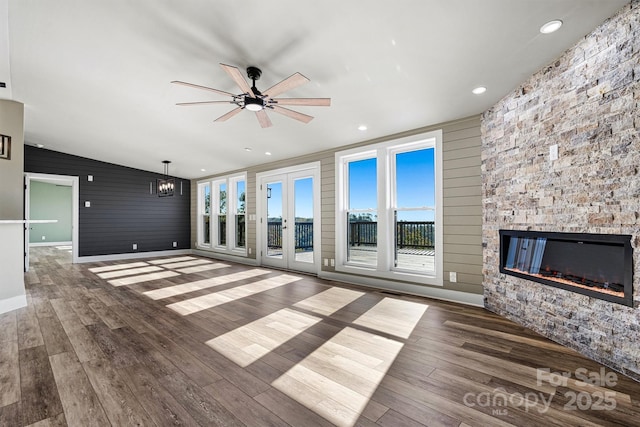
(12, 292)
(587, 104)
(124, 208)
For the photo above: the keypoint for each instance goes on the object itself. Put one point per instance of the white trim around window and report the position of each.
(225, 205)
(384, 263)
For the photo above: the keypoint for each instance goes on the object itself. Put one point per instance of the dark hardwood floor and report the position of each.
(193, 341)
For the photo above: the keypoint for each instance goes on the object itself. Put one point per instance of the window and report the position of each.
(204, 214)
(413, 209)
(362, 235)
(222, 202)
(240, 213)
(221, 214)
(389, 209)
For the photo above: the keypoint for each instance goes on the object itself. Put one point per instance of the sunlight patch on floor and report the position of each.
(329, 301)
(117, 267)
(250, 342)
(193, 305)
(201, 268)
(128, 272)
(168, 260)
(171, 291)
(182, 264)
(393, 316)
(338, 379)
(131, 280)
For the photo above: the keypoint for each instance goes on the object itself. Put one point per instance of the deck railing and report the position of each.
(303, 233)
(409, 234)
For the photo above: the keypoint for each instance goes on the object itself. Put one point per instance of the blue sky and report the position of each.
(415, 187)
(303, 198)
(415, 177)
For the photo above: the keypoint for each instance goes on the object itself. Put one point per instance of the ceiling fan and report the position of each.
(259, 102)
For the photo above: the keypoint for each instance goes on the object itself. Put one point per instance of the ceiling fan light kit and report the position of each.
(252, 99)
(253, 104)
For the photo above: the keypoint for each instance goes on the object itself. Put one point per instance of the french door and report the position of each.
(289, 219)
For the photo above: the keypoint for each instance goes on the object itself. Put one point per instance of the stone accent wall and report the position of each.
(587, 102)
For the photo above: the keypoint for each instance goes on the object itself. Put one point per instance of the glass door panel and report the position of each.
(274, 220)
(303, 214)
(289, 220)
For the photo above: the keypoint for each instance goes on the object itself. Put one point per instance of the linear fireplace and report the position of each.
(597, 265)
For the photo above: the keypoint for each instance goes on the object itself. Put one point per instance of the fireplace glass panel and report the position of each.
(592, 264)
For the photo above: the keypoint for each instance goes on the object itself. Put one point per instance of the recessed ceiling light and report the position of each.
(267, 153)
(40, 145)
(203, 170)
(479, 90)
(551, 26)
(247, 149)
(362, 127)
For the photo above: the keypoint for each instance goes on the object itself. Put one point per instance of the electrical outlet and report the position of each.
(87, 204)
(453, 276)
(326, 262)
(333, 262)
(44, 238)
(175, 244)
(249, 251)
(90, 178)
(135, 246)
(553, 152)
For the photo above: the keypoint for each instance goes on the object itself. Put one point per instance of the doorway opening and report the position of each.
(288, 231)
(51, 213)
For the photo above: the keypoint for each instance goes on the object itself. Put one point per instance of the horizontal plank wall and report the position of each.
(462, 190)
(122, 211)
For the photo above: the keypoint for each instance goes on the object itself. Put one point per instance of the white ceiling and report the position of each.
(95, 75)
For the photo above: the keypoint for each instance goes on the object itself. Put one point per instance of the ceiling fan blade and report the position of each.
(237, 77)
(264, 120)
(289, 83)
(315, 102)
(293, 114)
(204, 103)
(228, 115)
(221, 92)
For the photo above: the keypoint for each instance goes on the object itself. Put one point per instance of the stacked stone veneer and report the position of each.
(587, 102)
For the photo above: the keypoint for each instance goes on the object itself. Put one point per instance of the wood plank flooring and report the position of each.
(193, 341)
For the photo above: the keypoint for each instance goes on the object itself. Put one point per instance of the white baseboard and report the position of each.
(225, 257)
(13, 303)
(69, 243)
(476, 300)
(134, 255)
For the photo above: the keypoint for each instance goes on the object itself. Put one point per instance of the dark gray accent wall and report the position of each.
(123, 211)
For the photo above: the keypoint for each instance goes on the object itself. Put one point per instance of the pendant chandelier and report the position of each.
(166, 185)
